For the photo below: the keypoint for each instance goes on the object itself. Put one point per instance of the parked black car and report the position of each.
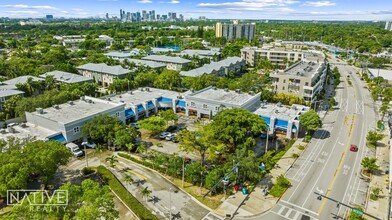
(171, 128)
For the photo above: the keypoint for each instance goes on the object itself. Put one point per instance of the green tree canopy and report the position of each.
(88, 201)
(168, 115)
(369, 164)
(234, 127)
(310, 120)
(22, 160)
(154, 124)
(102, 128)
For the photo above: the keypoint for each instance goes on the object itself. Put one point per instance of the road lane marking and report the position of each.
(131, 171)
(321, 172)
(339, 167)
(302, 170)
(297, 206)
(296, 215)
(288, 213)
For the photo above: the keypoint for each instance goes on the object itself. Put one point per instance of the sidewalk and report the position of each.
(255, 202)
(380, 207)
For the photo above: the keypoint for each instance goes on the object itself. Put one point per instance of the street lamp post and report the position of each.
(85, 152)
(170, 212)
(183, 171)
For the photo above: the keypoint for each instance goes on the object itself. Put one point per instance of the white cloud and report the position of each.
(144, 1)
(31, 7)
(319, 4)
(23, 12)
(174, 2)
(249, 4)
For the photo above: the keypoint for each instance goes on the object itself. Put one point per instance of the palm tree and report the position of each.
(112, 159)
(99, 150)
(141, 148)
(128, 179)
(145, 193)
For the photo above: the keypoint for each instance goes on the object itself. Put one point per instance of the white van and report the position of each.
(74, 149)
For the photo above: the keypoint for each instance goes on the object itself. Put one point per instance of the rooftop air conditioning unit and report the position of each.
(70, 102)
(192, 90)
(141, 89)
(147, 89)
(226, 89)
(82, 98)
(56, 107)
(120, 96)
(130, 92)
(90, 101)
(238, 91)
(214, 87)
(39, 110)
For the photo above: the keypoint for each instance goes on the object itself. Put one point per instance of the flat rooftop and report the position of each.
(303, 69)
(281, 112)
(79, 109)
(222, 95)
(386, 74)
(140, 97)
(9, 90)
(30, 130)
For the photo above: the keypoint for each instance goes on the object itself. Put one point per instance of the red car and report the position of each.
(353, 148)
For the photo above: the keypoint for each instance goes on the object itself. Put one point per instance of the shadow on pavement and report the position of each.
(322, 134)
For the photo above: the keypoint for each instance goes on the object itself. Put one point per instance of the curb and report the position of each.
(152, 170)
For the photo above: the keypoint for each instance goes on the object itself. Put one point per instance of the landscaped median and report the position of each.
(122, 192)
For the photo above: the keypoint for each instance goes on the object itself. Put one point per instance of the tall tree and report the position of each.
(234, 127)
(153, 124)
(310, 120)
(168, 115)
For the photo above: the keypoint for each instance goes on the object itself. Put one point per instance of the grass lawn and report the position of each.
(211, 201)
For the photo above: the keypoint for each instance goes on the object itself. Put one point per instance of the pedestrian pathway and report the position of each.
(255, 202)
(380, 207)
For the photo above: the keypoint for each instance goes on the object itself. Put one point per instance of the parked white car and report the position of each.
(75, 149)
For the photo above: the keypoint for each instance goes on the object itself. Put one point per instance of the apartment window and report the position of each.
(216, 108)
(306, 84)
(283, 88)
(3, 99)
(205, 106)
(284, 81)
(193, 104)
(118, 114)
(76, 129)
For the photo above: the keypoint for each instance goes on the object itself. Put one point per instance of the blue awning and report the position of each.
(181, 103)
(150, 104)
(164, 99)
(129, 113)
(140, 108)
(59, 137)
(266, 119)
(281, 123)
(294, 129)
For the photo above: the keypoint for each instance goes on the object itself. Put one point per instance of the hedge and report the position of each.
(128, 198)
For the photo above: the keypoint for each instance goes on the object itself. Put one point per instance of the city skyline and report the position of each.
(214, 9)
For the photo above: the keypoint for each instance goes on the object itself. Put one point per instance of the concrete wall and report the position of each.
(41, 121)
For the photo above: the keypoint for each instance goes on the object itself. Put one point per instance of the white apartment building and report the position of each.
(278, 56)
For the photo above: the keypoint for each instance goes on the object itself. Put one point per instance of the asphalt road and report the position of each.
(328, 166)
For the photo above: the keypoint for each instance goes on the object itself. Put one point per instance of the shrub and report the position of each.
(375, 193)
(138, 208)
(355, 216)
(280, 187)
(307, 138)
(295, 156)
(87, 171)
(301, 147)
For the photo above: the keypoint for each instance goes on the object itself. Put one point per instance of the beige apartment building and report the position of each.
(218, 29)
(278, 56)
(305, 79)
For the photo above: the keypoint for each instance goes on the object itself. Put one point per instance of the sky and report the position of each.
(213, 9)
